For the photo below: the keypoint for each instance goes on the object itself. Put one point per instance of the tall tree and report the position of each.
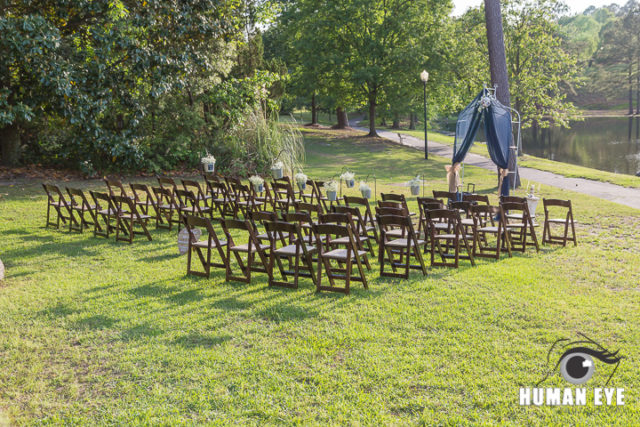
(497, 55)
(370, 44)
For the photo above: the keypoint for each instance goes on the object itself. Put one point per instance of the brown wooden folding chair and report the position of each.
(567, 221)
(344, 256)
(451, 239)
(115, 187)
(446, 196)
(244, 201)
(258, 220)
(320, 199)
(305, 221)
(476, 199)
(80, 206)
(306, 195)
(105, 209)
(62, 207)
(202, 197)
(265, 198)
(520, 225)
(143, 198)
(408, 247)
(167, 212)
(221, 199)
(167, 183)
(296, 250)
(366, 214)
(347, 220)
(210, 244)
(188, 204)
(251, 249)
(481, 229)
(129, 218)
(398, 198)
(360, 231)
(421, 216)
(284, 197)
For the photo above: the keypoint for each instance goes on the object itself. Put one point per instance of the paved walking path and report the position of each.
(604, 190)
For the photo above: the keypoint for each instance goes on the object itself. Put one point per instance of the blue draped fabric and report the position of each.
(497, 129)
(466, 128)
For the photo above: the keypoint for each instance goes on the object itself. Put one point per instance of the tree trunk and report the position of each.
(630, 89)
(497, 55)
(10, 142)
(396, 122)
(498, 66)
(314, 111)
(341, 115)
(412, 121)
(372, 114)
(638, 85)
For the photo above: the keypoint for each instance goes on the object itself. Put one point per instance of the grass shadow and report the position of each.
(196, 339)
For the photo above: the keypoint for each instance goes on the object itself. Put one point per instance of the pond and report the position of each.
(606, 143)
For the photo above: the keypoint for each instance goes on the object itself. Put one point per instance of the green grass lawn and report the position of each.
(565, 169)
(98, 332)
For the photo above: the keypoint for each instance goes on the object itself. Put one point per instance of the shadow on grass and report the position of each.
(97, 321)
(195, 340)
(185, 297)
(140, 332)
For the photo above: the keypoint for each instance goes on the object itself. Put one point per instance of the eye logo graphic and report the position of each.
(576, 363)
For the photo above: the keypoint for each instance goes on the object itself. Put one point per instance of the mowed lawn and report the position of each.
(98, 332)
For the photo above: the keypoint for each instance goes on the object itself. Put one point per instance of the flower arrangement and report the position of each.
(208, 159)
(347, 176)
(208, 162)
(365, 190)
(276, 169)
(256, 180)
(330, 186)
(257, 183)
(415, 185)
(531, 191)
(301, 180)
(300, 177)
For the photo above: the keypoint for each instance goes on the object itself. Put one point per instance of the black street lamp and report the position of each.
(424, 76)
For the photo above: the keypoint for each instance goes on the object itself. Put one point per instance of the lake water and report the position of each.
(610, 144)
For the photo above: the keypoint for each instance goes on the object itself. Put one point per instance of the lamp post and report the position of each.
(424, 76)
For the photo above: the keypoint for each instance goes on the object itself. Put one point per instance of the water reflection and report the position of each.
(611, 144)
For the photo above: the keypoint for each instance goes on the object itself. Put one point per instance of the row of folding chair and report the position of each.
(107, 214)
(287, 249)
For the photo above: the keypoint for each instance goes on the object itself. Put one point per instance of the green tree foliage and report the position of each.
(619, 52)
(540, 69)
(360, 50)
(116, 84)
